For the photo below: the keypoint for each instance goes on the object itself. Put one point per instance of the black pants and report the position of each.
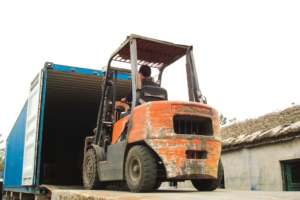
(125, 114)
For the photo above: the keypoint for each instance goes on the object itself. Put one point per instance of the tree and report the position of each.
(2, 153)
(223, 120)
(232, 120)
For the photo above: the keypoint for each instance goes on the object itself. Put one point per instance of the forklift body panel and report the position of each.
(173, 153)
(156, 120)
(187, 154)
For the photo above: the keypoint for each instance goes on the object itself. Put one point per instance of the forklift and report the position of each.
(160, 140)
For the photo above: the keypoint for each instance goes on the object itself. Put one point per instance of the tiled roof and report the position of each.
(272, 127)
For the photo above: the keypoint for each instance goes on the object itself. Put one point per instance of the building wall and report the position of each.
(185, 184)
(258, 168)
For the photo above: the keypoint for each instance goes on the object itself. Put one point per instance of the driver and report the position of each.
(145, 72)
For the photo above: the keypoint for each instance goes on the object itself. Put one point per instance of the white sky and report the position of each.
(247, 52)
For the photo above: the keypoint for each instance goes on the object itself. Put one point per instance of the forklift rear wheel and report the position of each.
(140, 169)
(91, 179)
(209, 184)
(156, 185)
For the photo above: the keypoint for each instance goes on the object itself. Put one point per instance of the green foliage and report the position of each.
(232, 120)
(293, 103)
(223, 120)
(2, 153)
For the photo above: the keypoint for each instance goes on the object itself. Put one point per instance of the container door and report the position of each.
(31, 131)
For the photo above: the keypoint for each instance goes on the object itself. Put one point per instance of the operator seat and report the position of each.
(149, 93)
(152, 93)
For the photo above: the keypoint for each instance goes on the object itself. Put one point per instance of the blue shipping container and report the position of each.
(45, 146)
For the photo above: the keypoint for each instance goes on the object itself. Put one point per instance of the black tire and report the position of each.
(209, 184)
(90, 173)
(140, 169)
(156, 185)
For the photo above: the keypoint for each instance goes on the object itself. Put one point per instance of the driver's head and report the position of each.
(145, 71)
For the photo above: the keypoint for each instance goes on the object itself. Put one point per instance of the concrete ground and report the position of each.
(169, 193)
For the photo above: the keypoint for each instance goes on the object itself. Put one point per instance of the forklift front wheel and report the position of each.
(140, 169)
(90, 173)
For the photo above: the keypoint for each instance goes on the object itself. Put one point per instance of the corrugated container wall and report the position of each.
(14, 152)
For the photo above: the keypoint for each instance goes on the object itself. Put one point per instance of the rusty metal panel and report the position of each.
(155, 120)
(192, 109)
(173, 154)
(154, 124)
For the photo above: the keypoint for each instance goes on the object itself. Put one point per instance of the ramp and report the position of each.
(166, 193)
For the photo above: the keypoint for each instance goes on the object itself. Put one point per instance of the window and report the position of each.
(291, 175)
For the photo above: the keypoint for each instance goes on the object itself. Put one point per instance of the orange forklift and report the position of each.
(161, 140)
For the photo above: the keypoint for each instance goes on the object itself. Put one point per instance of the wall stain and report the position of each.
(254, 186)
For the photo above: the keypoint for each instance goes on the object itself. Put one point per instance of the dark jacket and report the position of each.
(145, 81)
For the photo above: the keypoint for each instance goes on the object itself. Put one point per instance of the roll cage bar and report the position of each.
(139, 50)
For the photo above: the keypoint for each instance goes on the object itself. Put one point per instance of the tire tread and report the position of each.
(96, 183)
(149, 176)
